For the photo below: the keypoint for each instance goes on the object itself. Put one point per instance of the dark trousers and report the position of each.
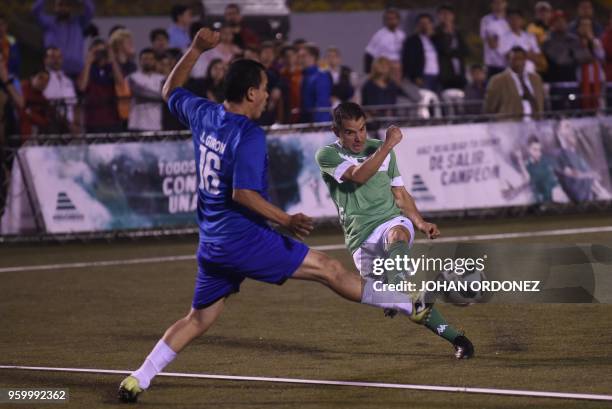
(432, 83)
(563, 98)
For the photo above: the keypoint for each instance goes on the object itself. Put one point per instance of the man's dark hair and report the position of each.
(532, 139)
(156, 32)
(233, 6)
(517, 49)
(51, 47)
(476, 66)
(312, 50)
(446, 7)
(177, 10)
(96, 41)
(267, 44)
(333, 49)
(40, 71)
(286, 49)
(299, 41)
(146, 50)
(424, 15)
(346, 110)
(392, 10)
(241, 76)
(515, 12)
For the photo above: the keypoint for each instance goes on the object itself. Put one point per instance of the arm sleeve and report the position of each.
(88, 13)
(393, 172)
(492, 97)
(185, 106)
(533, 43)
(331, 163)
(483, 28)
(324, 88)
(14, 60)
(44, 19)
(504, 45)
(372, 47)
(142, 91)
(598, 50)
(250, 161)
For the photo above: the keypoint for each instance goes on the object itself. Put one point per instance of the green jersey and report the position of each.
(361, 208)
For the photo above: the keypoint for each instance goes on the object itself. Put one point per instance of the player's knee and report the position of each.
(334, 271)
(196, 319)
(398, 233)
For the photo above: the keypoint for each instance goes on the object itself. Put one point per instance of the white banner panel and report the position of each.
(457, 167)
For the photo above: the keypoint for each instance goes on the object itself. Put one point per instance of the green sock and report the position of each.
(401, 249)
(439, 326)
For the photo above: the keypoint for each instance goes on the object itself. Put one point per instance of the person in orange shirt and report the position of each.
(291, 73)
(37, 116)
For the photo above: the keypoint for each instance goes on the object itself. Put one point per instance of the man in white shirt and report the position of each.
(60, 89)
(518, 37)
(493, 27)
(387, 42)
(146, 85)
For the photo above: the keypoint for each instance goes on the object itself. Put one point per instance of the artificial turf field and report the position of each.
(109, 317)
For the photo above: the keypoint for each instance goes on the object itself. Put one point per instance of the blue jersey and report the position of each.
(230, 153)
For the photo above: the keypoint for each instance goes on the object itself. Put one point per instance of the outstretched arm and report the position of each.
(406, 203)
(363, 172)
(204, 40)
(299, 224)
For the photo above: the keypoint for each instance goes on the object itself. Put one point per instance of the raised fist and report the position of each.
(205, 39)
(394, 136)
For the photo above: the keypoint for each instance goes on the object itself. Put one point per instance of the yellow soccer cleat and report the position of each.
(129, 390)
(420, 309)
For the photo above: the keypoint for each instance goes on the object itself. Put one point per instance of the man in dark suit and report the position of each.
(419, 56)
(451, 48)
(514, 92)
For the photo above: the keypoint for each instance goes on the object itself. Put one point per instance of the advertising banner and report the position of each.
(505, 164)
(102, 187)
(140, 185)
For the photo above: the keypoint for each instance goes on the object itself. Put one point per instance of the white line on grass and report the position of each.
(463, 389)
(327, 247)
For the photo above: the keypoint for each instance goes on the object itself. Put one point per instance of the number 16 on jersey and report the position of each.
(210, 166)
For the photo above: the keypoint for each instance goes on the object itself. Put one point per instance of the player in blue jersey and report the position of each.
(233, 211)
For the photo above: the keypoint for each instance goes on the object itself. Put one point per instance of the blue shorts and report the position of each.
(264, 256)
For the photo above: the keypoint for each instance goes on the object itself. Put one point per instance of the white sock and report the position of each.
(388, 299)
(160, 356)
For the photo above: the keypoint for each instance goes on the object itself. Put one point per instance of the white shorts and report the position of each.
(378, 241)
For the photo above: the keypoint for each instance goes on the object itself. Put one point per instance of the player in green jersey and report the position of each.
(377, 213)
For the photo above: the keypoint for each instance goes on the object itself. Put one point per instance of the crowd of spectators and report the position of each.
(527, 67)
